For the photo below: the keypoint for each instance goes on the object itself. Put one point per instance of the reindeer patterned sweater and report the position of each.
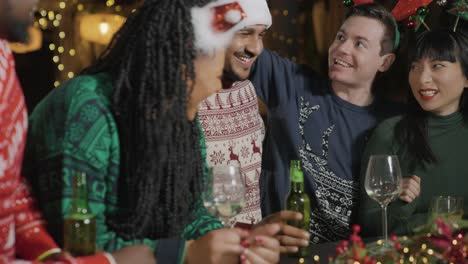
(234, 132)
(307, 121)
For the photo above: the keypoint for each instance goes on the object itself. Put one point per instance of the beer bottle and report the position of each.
(80, 224)
(298, 201)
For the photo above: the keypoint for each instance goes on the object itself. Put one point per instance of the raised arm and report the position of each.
(272, 76)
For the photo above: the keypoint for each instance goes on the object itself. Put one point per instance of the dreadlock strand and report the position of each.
(161, 164)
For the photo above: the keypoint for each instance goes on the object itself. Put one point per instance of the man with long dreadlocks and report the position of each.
(129, 122)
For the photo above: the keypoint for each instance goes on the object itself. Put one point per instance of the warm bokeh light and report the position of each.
(74, 26)
(100, 28)
(104, 28)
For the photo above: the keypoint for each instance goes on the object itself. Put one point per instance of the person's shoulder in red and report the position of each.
(22, 230)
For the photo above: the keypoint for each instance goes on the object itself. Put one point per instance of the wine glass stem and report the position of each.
(384, 223)
(225, 222)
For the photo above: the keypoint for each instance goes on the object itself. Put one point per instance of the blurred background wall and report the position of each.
(75, 32)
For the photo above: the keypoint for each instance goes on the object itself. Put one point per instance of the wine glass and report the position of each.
(383, 184)
(447, 208)
(224, 195)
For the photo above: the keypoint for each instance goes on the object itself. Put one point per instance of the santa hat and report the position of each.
(216, 23)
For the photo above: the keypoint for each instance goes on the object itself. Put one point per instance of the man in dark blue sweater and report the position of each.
(325, 122)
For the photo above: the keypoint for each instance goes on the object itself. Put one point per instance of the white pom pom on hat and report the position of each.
(233, 16)
(208, 39)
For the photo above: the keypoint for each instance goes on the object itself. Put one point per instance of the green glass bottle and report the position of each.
(298, 201)
(80, 224)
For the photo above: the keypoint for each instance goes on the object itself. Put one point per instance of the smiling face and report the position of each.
(245, 47)
(354, 58)
(437, 85)
(208, 73)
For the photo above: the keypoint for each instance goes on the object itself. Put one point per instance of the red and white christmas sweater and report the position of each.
(234, 133)
(22, 230)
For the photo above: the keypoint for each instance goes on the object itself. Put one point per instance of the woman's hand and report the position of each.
(290, 237)
(261, 246)
(411, 188)
(217, 246)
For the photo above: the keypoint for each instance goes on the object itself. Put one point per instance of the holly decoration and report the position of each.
(348, 2)
(405, 8)
(422, 11)
(460, 9)
(360, 2)
(353, 250)
(356, 2)
(442, 245)
(412, 22)
(417, 20)
(455, 250)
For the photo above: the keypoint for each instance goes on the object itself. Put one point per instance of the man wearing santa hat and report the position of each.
(233, 127)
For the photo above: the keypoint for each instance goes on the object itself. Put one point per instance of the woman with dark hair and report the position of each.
(129, 122)
(431, 139)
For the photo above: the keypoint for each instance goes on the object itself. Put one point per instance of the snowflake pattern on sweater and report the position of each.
(234, 132)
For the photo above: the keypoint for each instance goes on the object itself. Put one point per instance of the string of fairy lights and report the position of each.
(286, 38)
(60, 20)
(296, 33)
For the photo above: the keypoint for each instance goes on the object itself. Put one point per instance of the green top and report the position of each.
(73, 130)
(448, 139)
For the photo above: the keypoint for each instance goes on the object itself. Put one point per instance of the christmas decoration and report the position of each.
(441, 245)
(406, 8)
(460, 9)
(417, 20)
(442, 2)
(422, 11)
(360, 2)
(356, 2)
(227, 16)
(214, 22)
(348, 2)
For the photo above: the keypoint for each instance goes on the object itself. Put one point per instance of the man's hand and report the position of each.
(290, 237)
(411, 188)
